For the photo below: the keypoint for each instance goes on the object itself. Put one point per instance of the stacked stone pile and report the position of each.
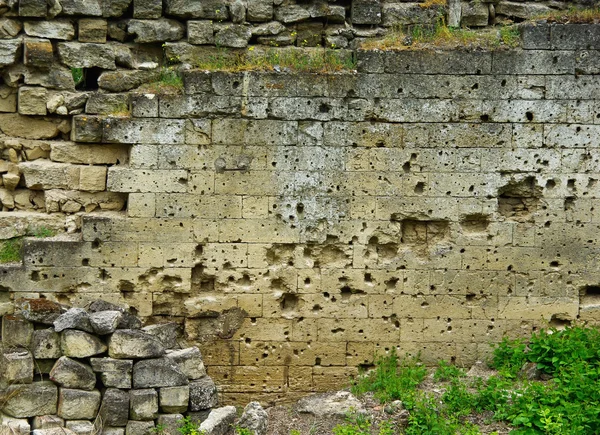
(96, 370)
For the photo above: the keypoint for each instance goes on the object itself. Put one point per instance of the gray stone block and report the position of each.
(166, 333)
(219, 421)
(535, 36)
(189, 361)
(143, 404)
(366, 12)
(161, 30)
(203, 394)
(105, 322)
(39, 310)
(147, 8)
(78, 404)
(56, 29)
(170, 423)
(254, 418)
(80, 344)
(200, 32)
(10, 51)
(69, 373)
(259, 10)
(160, 372)
(29, 400)
(33, 8)
(139, 427)
(113, 372)
(86, 55)
(114, 410)
(91, 8)
(14, 426)
(47, 422)
(210, 9)
(131, 343)
(74, 318)
(81, 427)
(16, 367)
(174, 399)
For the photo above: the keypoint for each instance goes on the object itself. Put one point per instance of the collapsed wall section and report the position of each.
(297, 224)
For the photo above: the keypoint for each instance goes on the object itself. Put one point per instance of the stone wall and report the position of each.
(296, 224)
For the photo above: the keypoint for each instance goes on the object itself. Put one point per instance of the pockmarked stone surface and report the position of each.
(129, 343)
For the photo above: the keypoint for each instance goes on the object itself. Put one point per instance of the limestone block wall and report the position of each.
(297, 224)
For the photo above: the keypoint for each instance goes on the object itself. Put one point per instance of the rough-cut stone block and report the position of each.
(147, 8)
(9, 28)
(200, 32)
(203, 394)
(16, 367)
(130, 343)
(47, 422)
(42, 175)
(92, 30)
(32, 100)
(28, 400)
(219, 421)
(46, 344)
(115, 8)
(143, 181)
(113, 372)
(33, 8)
(10, 50)
(81, 427)
(189, 361)
(166, 333)
(78, 404)
(139, 427)
(103, 322)
(80, 344)
(163, 131)
(8, 99)
(113, 431)
(93, 179)
(82, 7)
(14, 426)
(128, 320)
(114, 410)
(174, 399)
(147, 31)
(86, 55)
(69, 373)
(210, 9)
(39, 310)
(260, 10)
(16, 332)
(366, 12)
(87, 128)
(170, 422)
(38, 52)
(143, 404)
(159, 372)
(56, 29)
(74, 318)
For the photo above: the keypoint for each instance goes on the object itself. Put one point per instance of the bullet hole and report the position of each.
(529, 116)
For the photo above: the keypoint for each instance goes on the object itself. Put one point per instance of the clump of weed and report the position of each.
(447, 372)
(169, 82)
(392, 379)
(316, 60)
(43, 232)
(10, 250)
(572, 15)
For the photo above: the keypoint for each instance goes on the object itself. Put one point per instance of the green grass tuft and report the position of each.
(10, 250)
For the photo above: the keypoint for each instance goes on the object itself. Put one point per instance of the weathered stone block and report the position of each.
(203, 394)
(259, 10)
(78, 404)
(28, 400)
(47, 422)
(137, 180)
(161, 30)
(256, 419)
(86, 55)
(16, 367)
(474, 14)
(32, 100)
(366, 12)
(200, 32)
(9, 28)
(10, 50)
(174, 399)
(210, 9)
(147, 8)
(139, 427)
(93, 179)
(14, 426)
(46, 344)
(159, 372)
(56, 29)
(33, 8)
(114, 410)
(8, 99)
(69, 373)
(79, 344)
(39, 310)
(166, 333)
(170, 422)
(189, 361)
(38, 53)
(82, 7)
(104, 322)
(129, 343)
(219, 421)
(113, 372)
(234, 36)
(164, 131)
(144, 105)
(143, 404)
(74, 318)
(87, 128)
(80, 427)
(16, 332)
(92, 30)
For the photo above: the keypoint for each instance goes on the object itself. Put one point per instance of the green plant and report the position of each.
(392, 379)
(188, 427)
(510, 36)
(10, 250)
(43, 232)
(78, 75)
(509, 356)
(243, 431)
(295, 432)
(159, 429)
(447, 371)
